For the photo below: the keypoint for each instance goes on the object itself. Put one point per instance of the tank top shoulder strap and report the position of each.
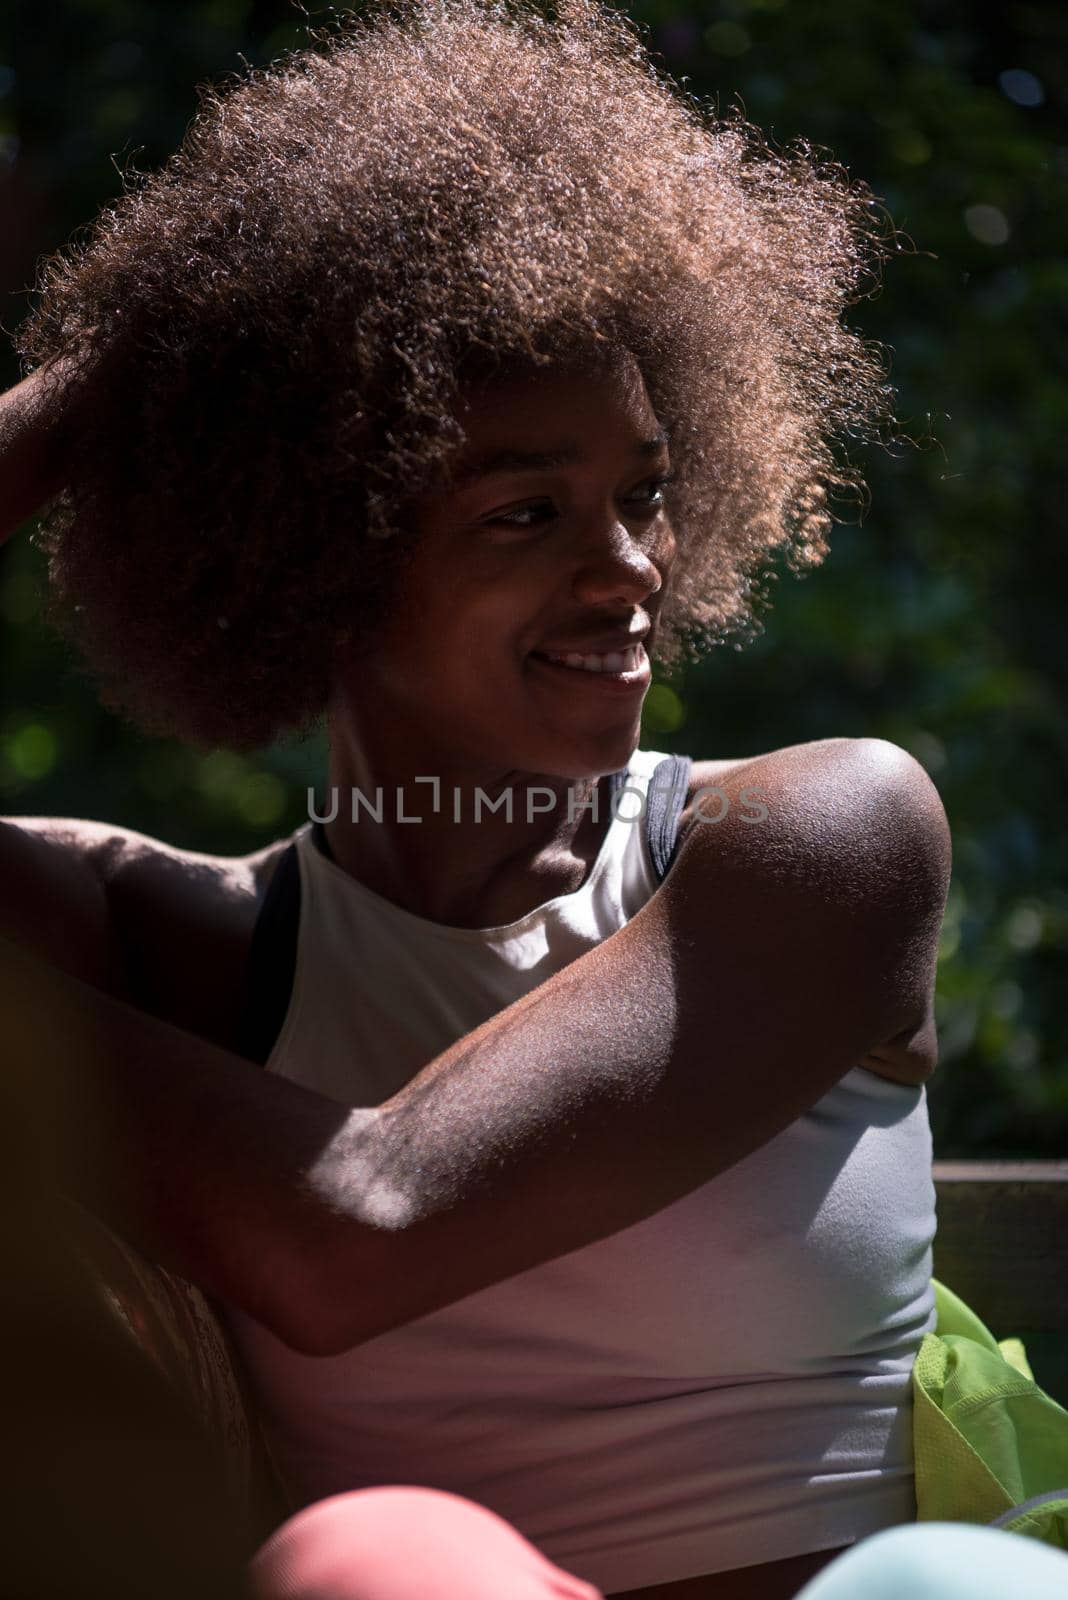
(665, 803)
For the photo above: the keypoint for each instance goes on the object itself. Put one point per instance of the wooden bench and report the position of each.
(1002, 1245)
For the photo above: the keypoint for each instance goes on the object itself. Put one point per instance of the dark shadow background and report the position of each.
(936, 622)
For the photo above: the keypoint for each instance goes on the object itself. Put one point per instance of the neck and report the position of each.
(459, 844)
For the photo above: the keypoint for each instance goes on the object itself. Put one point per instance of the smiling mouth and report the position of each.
(626, 669)
(610, 661)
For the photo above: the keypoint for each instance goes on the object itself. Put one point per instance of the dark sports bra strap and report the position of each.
(272, 961)
(665, 804)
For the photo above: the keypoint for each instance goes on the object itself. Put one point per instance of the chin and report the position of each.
(590, 755)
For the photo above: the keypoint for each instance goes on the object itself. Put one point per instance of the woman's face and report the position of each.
(548, 539)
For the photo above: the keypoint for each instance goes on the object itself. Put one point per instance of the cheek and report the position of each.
(486, 625)
(463, 613)
(455, 653)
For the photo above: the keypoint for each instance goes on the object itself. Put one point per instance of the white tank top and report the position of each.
(724, 1384)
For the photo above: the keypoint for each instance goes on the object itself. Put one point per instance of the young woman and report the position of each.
(447, 375)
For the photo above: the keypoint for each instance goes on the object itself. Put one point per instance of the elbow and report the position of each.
(368, 1275)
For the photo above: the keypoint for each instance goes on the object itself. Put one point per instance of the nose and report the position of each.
(615, 566)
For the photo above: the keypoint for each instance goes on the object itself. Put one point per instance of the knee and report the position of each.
(405, 1544)
(943, 1561)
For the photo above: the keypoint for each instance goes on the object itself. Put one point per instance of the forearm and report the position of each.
(34, 416)
(192, 1153)
(569, 1115)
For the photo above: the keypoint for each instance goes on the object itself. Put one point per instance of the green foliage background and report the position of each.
(936, 622)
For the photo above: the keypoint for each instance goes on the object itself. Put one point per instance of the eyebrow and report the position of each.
(502, 461)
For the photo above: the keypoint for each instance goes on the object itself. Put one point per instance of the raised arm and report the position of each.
(34, 419)
(771, 961)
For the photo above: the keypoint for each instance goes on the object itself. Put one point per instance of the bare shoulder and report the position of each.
(876, 757)
(846, 842)
(163, 927)
(828, 800)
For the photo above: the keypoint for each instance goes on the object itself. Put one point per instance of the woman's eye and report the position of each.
(656, 487)
(513, 519)
(649, 496)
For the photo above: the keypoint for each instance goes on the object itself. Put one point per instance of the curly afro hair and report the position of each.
(286, 314)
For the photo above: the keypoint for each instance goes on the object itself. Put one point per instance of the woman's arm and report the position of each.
(37, 422)
(769, 963)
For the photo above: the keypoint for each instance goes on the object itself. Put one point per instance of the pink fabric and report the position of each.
(405, 1544)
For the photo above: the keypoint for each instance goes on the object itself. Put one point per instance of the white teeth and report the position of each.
(613, 661)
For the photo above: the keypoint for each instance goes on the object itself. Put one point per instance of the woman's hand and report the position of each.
(911, 1058)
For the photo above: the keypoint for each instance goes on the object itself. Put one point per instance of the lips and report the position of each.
(628, 660)
(601, 644)
(618, 670)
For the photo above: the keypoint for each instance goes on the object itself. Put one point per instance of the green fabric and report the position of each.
(987, 1439)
